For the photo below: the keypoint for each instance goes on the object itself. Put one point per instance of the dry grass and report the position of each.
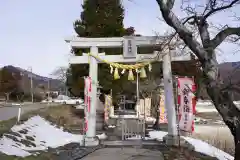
(62, 115)
(176, 153)
(218, 136)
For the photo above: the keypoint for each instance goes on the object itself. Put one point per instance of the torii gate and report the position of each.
(129, 44)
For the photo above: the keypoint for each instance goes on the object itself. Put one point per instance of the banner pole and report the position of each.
(177, 108)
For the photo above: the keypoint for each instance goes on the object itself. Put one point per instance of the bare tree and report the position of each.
(8, 83)
(61, 74)
(204, 48)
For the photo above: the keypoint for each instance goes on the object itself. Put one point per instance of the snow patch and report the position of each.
(200, 146)
(102, 136)
(208, 106)
(111, 126)
(205, 110)
(39, 133)
(15, 104)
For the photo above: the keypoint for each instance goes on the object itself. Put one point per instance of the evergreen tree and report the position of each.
(99, 18)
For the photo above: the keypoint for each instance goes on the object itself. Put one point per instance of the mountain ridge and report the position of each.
(229, 71)
(54, 84)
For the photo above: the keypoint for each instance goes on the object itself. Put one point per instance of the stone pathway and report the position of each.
(115, 151)
(124, 154)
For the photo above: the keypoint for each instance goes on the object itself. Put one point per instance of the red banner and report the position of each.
(87, 98)
(186, 103)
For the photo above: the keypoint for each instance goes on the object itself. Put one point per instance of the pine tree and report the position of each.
(99, 18)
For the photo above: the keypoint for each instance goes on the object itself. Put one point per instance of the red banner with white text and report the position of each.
(87, 99)
(186, 103)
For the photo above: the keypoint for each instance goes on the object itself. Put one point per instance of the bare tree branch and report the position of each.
(215, 10)
(60, 73)
(172, 20)
(222, 35)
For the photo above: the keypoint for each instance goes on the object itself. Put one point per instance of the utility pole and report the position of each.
(31, 83)
(48, 90)
(66, 90)
(22, 80)
(137, 88)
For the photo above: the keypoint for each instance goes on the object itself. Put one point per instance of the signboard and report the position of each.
(129, 47)
(87, 99)
(187, 103)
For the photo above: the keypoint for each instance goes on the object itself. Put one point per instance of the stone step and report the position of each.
(130, 143)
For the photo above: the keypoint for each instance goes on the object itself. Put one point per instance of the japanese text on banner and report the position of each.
(87, 99)
(186, 105)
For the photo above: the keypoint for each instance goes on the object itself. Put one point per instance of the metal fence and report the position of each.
(132, 128)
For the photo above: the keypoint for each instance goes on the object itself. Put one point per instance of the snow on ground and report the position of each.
(204, 110)
(200, 146)
(207, 106)
(208, 102)
(15, 104)
(204, 103)
(102, 136)
(40, 134)
(111, 126)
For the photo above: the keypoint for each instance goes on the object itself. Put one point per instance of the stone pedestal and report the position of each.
(172, 140)
(89, 141)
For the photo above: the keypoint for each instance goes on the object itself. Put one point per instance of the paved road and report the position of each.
(10, 112)
(124, 153)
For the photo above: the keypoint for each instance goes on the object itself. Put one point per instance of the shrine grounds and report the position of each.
(216, 134)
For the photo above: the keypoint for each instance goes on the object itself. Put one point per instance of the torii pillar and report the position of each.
(172, 137)
(130, 55)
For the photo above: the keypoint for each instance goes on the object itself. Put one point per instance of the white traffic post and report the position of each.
(169, 99)
(93, 73)
(19, 113)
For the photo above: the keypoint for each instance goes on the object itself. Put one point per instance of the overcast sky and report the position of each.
(32, 31)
